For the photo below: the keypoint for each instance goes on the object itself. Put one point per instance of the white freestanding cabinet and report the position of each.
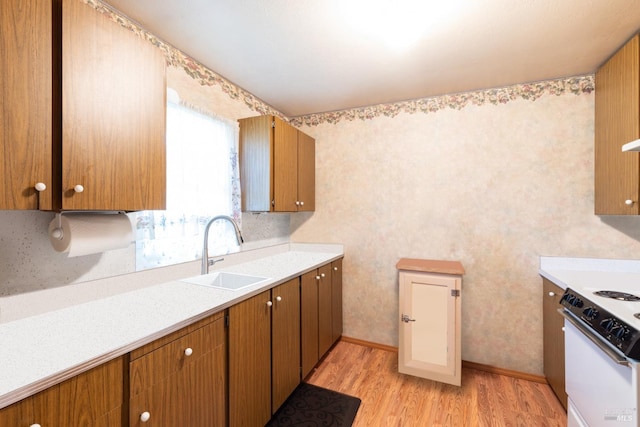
(430, 320)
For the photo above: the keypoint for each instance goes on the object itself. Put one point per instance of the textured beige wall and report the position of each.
(493, 186)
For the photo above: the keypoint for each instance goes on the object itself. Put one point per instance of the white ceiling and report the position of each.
(302, 56)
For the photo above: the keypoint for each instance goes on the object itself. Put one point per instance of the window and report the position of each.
(202, 181)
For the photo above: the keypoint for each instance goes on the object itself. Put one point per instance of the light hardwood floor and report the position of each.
(393, 399)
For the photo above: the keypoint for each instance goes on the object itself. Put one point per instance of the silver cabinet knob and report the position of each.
(323, 275)
(188, 351)
(269, 303)
(78, 188)
(40, 186)
(629, 202)
(278, 298)
(144, 417)
(317, 277)
(335, 268)
(301, 203)
(297, 203)
(552, 294)
(35, 425)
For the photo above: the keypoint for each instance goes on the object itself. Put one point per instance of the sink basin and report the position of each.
(224, 280)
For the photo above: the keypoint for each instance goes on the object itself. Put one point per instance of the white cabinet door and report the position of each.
(430, 326)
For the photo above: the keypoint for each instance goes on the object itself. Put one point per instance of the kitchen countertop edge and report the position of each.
(318, 254)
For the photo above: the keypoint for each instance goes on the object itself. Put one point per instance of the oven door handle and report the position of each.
(594, 339)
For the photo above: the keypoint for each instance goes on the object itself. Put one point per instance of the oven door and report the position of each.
(602, 391)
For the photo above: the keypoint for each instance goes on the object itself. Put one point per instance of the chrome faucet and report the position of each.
(206, 261)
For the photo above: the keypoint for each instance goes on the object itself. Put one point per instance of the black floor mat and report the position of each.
(312, 406)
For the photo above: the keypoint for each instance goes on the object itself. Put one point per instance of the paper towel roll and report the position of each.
(90, 233)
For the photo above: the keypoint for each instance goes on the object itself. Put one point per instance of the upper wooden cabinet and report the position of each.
(617, 122)
(113, 115)
(25, 104)
(83, 111)
(277, 166)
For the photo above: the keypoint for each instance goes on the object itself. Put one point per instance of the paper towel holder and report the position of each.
(58, 233)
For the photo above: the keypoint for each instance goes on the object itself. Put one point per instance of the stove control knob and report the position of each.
(577, 302)
(607, 324)
(591, 313)
(620, 332)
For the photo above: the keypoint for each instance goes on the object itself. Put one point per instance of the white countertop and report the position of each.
(42, 350)
(580, 273)
(588, 275)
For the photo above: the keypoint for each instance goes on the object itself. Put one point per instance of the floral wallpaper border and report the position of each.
(527, 91)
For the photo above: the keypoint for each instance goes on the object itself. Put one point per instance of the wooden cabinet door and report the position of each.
(553, 339)
(325, 317)
(91, 399)
(256, 163)
(113, 115)
(617, 121)
(26, 104)
(285, 341)
(309, 320)
(336, 300)
(306, 172)
(285, 167)
(250, 362)
(94, 397)
(183, 382)
(41, 408)
(430, 336)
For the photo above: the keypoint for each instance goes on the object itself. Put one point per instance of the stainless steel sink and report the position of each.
(224, 280)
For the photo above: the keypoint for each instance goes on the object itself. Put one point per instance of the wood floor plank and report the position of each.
(392, 399)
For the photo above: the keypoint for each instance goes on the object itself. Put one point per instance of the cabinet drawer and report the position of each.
(174, 356)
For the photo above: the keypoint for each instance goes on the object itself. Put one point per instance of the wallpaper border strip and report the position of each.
(526, 91)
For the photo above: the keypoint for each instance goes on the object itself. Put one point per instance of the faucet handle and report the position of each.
(212, 261)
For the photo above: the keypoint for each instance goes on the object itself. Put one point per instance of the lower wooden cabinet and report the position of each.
(285, 341)
(264, 354)
(211, 373)
(321, 312)
(336, 299)
(553, 339)
(91, 399)
(181, 379)
(250, 361)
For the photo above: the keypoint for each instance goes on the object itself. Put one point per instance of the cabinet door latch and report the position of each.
(407, 319)
(455, 292)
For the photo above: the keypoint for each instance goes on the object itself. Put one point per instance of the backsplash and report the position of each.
(29, 262)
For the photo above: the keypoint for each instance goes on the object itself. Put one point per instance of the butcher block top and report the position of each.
(430, 266)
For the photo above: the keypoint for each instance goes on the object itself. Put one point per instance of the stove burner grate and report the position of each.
(621, 296)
